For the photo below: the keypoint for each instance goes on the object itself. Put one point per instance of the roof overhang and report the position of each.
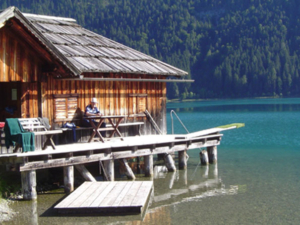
(82, 78)
(13, 12)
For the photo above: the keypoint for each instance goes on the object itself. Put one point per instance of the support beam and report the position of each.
(69, 178)
(170, 164)
(212, 154)
(182, 160)
(109, 168)
(204, 158)
(29, 185)
(85, 173)
(128, 171)
(148, 160)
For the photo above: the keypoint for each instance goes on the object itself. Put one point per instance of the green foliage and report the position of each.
(8, 187)
(231, 48)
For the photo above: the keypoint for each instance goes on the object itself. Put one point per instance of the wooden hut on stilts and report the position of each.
(51, 67)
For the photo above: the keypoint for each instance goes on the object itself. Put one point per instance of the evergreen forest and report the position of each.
(231, 48)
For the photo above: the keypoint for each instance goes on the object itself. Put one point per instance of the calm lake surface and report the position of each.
(256, 180)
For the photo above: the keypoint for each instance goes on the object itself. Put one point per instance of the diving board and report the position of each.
(107, 197)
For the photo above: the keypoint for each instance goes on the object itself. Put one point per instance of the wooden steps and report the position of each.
(107, 197)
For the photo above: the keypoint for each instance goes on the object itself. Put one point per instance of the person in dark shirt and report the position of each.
(92, 110)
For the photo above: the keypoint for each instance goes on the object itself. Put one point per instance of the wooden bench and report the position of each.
(34, 125)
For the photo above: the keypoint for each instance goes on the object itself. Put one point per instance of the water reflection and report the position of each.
(176, 186)
(170, 190)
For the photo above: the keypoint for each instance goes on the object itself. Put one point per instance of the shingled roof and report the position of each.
(84, 51)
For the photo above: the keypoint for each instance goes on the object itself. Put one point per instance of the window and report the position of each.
(65, 107)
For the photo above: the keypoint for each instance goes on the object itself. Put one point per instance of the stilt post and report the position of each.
(204, 158)
(29, 185)
(148, 160)
(69, 178)
(212, 154)
(109, 168)
(182, 160)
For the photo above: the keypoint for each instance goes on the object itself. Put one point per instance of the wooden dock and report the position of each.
(108, 197)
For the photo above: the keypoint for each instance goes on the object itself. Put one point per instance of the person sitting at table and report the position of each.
(92, 110)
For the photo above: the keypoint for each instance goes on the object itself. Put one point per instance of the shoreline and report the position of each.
(212, 99)
(6, 213)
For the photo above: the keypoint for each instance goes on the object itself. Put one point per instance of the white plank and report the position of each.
(100, 198)
(143, 194)
(101, 186)
(85, 194)
(112, 196)
(73, 196)
(124, 192)
(133, 191)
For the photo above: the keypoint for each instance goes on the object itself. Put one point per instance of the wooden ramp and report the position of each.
(107, 197)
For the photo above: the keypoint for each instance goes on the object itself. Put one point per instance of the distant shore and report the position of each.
(211, 99)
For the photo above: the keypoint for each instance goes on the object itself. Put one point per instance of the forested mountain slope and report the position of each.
(232, 48)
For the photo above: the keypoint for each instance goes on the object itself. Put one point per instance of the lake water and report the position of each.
(256, 179)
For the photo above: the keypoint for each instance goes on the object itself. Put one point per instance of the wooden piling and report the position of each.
(212, 154)
(29, 184)
(182, 160)
(204, 158)
(148, 160)
(85, 173)
(128, 171)
(109, 168)
(69, 178)
(170, 164)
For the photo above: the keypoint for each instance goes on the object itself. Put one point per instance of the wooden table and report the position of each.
(97, 128)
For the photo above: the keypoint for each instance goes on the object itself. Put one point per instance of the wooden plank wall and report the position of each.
(17, 61)
(113, 97)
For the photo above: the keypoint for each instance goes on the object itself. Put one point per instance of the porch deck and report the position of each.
(80, 153)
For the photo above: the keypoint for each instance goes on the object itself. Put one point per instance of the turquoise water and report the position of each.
(256, 180)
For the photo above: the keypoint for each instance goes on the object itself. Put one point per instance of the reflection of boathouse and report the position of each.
(51, 67)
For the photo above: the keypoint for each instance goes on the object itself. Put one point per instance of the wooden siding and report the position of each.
(17, 61)
(114, 97)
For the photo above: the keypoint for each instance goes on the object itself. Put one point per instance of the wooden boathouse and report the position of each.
(51, 67)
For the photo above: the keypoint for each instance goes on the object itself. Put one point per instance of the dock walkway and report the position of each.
(107, 197)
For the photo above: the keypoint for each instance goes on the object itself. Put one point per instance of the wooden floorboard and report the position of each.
(95, 194)
(107, 197)
(122, 195)
(72, 197)
(131, 194)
